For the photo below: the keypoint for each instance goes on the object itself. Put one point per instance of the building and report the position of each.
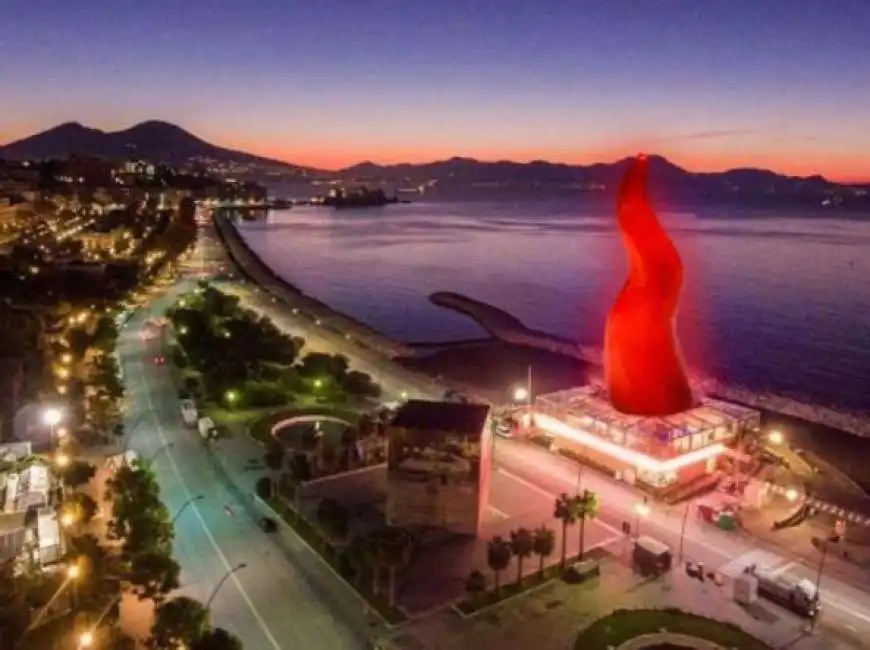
(657, 451)
(24, 492)
(438, 466)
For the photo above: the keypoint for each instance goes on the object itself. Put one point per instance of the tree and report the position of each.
(332, 518)
(84, 506)
(177, 622)
(498, 557)
(153, 574)
(217, 639)
(361, 384)
(545, 544)
(14, 609)
(79, 341)
(101, 571)
(587, 508)
(522, 545)
(274, 457)
(389, 548)
(475, 583)
(264, 487)
(565, 511)
(77, 474)
(105, 334)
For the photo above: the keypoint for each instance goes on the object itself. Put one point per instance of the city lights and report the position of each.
(52, 416)
(629, 456)
(61, 460)
(775, 437)
(521, 394)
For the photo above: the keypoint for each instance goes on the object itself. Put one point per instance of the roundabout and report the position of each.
(295, 431)
(663, 629)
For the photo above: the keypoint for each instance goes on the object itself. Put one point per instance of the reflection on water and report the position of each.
(771, 302)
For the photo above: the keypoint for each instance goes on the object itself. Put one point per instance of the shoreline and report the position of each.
(259, 272)
(504, 327)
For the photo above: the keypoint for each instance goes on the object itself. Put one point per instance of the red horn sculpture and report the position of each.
(643, 364)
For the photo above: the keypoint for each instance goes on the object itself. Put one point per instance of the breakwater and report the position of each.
(510, 329)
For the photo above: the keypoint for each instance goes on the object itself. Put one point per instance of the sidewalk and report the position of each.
(551, 617)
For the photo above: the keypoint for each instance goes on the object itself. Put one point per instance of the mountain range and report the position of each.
(161, 142)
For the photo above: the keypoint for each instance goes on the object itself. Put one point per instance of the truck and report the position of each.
(651, 556)
(206, 428)
(798, 595)
(189, 413)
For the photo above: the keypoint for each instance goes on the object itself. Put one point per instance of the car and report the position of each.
(159, 361)
(268, 525)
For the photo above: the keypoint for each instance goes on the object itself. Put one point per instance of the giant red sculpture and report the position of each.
(643, 365)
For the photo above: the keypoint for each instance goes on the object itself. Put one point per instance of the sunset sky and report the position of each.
(711, 84)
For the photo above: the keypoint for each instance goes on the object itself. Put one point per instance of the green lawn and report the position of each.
(314, 539)
(624, 625)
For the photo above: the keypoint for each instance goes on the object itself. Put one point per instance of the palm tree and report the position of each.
(475, 583)
(587, 508)
(522, 545)
(566, 512)
(388, 548)
(498, 557)
(545, 544)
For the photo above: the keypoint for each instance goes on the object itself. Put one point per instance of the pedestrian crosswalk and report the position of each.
(761, 559)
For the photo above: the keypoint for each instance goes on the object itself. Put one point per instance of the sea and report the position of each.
(776, 300)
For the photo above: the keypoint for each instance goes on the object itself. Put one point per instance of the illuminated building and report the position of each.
(658, 451)
(438, 466)
(647, 426)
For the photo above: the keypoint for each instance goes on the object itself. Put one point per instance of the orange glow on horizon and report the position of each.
(836, 167)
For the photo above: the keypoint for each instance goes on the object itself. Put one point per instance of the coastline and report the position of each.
(489, 367)
(259, 272)
(506, 327)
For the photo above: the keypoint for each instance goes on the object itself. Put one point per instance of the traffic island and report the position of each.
(644, 628)
(263, 429)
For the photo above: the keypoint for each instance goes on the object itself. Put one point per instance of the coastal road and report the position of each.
(285, 597)
(845, 607)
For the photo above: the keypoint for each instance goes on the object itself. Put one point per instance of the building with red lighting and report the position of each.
(657, 451)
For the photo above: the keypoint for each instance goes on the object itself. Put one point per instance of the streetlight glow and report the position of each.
(73, 571)
(86, 639)
(61, 460)
(52, 416)
(775, 437)
(318, 383)
(642, 508)
(66, 520)
(521, 394)
(791, 494)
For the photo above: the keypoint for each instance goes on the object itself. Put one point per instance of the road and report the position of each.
(285, 597)
(845, 606)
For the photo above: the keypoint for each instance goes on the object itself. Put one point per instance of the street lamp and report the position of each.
(222, 581)
(521, 394)
(641, 509)
(61, 460)
(318, 383)
(232, 396)
(791, 494)
(198, 497)
(775, 437)
(168, 445)
(86, 639)
(67, 519)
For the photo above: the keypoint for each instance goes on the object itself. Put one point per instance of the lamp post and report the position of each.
(220, 584)
(832, 538)
(641, 509)
(198, 497)
(52, 417)
(683, 529)
(168, 445)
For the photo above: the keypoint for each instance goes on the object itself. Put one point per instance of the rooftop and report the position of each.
(590, 403)
(422, 415)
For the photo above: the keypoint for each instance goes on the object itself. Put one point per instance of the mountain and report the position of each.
(539, 174)
(156, 141)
